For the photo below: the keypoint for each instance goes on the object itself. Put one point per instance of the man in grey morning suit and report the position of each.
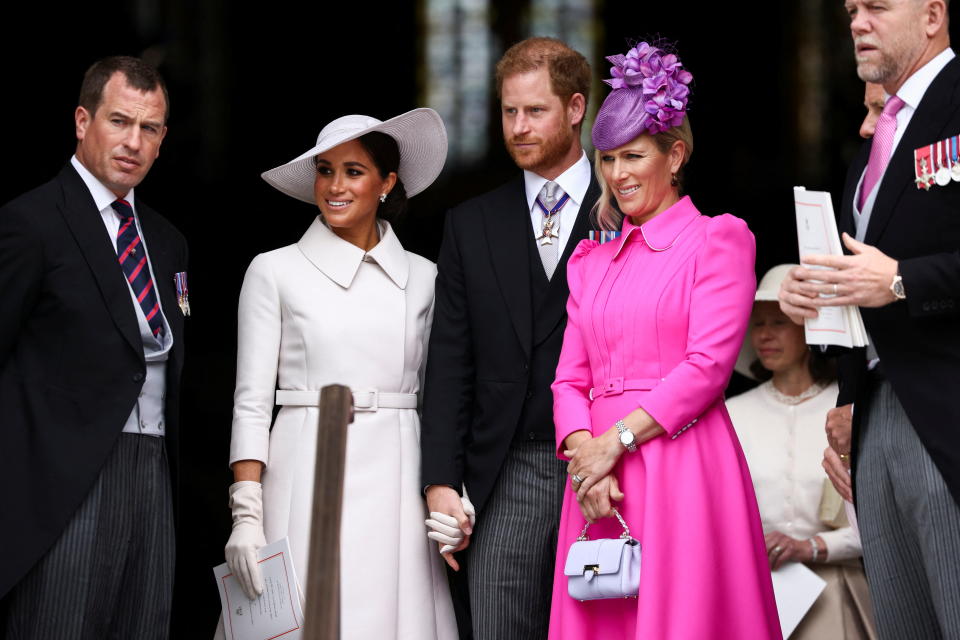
(498, 326)
(903, 229)
(91, 349)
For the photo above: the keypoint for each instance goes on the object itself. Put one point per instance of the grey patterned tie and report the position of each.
(549, 195)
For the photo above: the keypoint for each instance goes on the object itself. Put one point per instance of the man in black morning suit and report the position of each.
(904, 274)
(91, 349)
(498, 326)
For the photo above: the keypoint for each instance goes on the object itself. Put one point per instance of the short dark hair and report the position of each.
(569, 70)
(385, 153)
(139, 75)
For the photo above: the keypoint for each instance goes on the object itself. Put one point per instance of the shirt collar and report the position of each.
(661, 232)
(339, 260)
(916, 85)
(574, 181)
(102, 196)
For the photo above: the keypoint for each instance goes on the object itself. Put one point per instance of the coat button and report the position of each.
(138, 377)
(529, 394)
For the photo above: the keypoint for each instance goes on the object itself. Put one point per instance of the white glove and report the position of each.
(446, 530)
(246, 501)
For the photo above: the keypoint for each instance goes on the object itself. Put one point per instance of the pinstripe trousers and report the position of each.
(910, 527)
(110, 574)
(514, 547)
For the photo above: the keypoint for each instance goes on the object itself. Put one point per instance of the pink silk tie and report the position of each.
(881, 147)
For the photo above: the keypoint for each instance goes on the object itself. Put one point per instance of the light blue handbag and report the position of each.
(604, 568)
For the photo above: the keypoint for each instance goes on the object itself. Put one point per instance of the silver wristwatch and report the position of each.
(896, 287)
(627, 439)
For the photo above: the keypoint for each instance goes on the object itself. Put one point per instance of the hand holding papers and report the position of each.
(276, 613)
(817, 235)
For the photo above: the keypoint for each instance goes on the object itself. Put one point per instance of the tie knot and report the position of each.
(549, 193)
(893, 105)
(122, 207)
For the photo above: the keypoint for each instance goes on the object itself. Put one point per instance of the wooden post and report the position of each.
(322, 611)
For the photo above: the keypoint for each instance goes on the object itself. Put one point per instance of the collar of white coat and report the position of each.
(339, 260)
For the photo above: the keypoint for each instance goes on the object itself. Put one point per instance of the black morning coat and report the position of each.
(918, 339)
(71, 357)
(492, 356)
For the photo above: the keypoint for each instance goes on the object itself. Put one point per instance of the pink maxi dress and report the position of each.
(656, 319)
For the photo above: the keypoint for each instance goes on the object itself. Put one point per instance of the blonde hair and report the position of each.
(605, 212)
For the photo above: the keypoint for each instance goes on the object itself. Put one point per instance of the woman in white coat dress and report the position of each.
(781, 428)
(346, 305)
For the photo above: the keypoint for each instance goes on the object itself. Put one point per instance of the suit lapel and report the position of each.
(164, 268)
(555, 303)
(506, 225)
(81, 215)
(926, 126)
(847, 216)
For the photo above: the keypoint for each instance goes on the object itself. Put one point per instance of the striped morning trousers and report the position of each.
(110, 574)
(910, 527)
(514, 548)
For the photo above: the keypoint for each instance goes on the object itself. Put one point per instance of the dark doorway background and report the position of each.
(776, 103)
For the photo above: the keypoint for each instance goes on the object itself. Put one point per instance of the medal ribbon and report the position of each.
(547, 213)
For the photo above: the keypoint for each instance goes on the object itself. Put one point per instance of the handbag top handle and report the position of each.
(626, 530)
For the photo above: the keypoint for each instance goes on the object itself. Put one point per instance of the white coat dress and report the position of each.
(321, 312)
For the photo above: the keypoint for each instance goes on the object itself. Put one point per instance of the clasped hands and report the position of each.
(862, 279)
(451, 521)
(836, 457)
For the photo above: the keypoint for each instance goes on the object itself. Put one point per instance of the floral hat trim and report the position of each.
(661, 79)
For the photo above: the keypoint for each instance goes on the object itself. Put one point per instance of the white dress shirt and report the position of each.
(574, 181)
(784, 444)
(147, 417)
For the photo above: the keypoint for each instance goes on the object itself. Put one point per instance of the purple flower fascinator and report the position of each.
(650, 93)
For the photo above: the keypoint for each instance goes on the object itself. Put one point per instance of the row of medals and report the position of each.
(943, 173)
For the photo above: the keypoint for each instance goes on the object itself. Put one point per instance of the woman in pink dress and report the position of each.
(656, 319)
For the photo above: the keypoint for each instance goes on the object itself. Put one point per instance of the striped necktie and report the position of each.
(133, 261)
(880, 147)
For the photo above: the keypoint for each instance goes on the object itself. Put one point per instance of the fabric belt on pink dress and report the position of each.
(616, 386)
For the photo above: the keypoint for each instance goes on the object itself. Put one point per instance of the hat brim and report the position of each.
(767, 291)
(421, 138)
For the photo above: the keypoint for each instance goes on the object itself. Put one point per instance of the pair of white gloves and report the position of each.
(445, 529)
(246, 504)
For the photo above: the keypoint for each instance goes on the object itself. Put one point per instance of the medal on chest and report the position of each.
(551, 220)
(921, 164)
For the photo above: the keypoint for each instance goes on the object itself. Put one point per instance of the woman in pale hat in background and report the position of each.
(655, 320)
(781, 428)
(346, 304)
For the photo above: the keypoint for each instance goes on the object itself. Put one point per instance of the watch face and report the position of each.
(626, 438)
(897, 288)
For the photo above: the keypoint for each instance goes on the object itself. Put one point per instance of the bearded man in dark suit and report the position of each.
(902, 226)
(497, 330)
(91, 349)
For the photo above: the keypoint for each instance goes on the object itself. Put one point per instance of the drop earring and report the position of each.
(673, 180)
(383, 197)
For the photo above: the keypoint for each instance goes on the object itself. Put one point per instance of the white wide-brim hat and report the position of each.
(420, 134)
(767, 291)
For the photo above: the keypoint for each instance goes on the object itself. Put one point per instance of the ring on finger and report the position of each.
(836, 289)
(844, 456)
(777, 550)
(575, 478)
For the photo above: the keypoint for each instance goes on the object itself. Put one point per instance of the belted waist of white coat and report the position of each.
(363, 399)
(616, 386)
